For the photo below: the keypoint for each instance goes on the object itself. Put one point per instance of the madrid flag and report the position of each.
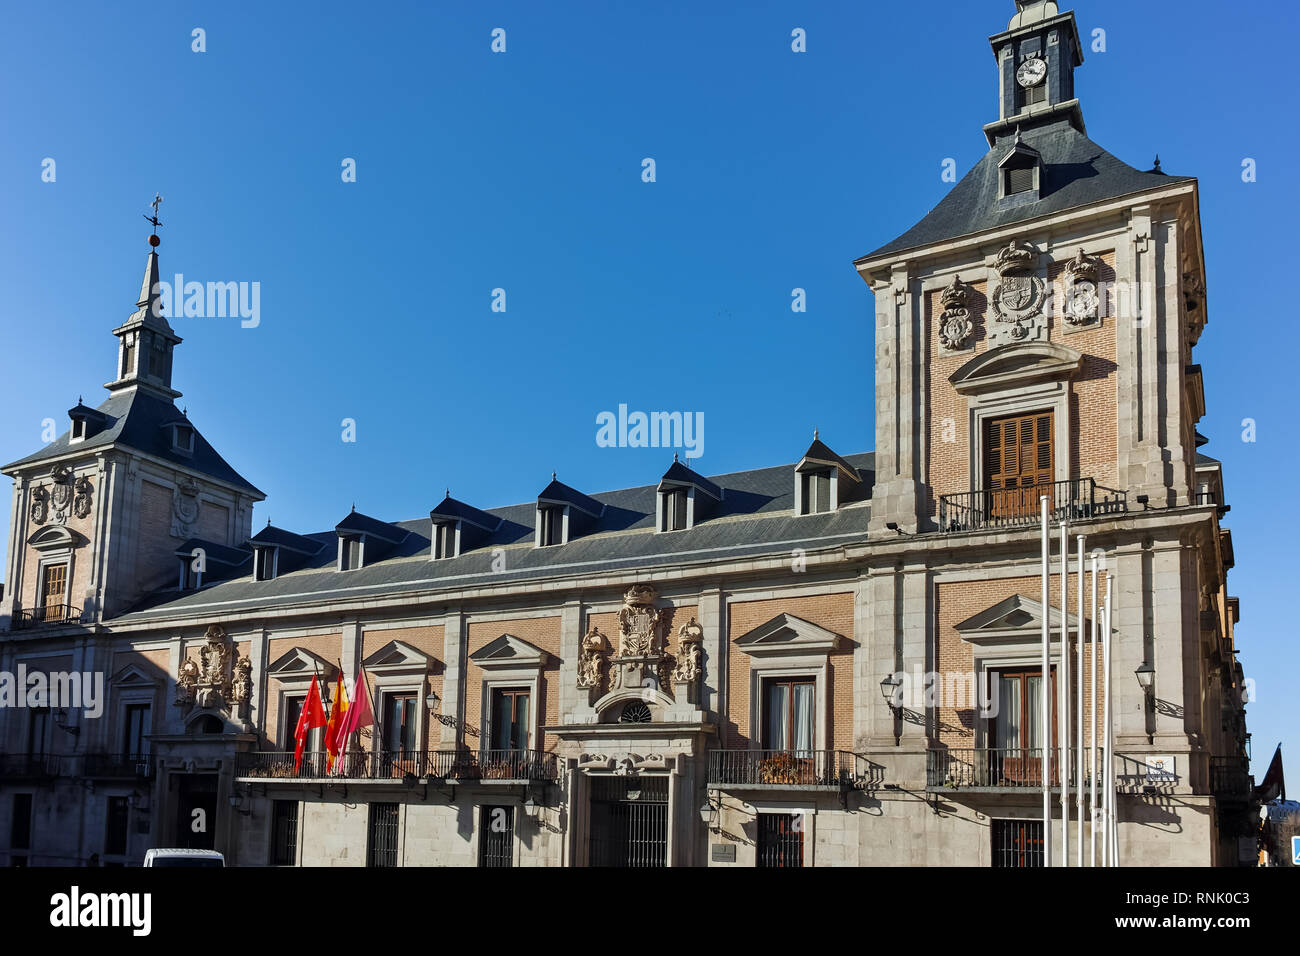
(312, 716)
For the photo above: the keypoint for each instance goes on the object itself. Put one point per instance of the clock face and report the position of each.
(1032, 72)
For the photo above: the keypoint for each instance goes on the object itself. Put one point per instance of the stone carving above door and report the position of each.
(221, 679)
(1018, 298)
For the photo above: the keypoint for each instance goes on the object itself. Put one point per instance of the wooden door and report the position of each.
(54, 592)
(1019, 463)
(1017, 742)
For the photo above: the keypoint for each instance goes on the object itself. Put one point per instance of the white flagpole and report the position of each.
(1092, 722)
(1109, 756)
(1105, 730)
(1063, 697)
(1112, 818)
(1045, 697)
(1078, 680)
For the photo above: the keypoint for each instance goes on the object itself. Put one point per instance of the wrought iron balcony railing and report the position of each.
(49, 614)
(399, 764)
(996, 508)
(1013, 768)
(17, 766)
(139, 766)
(780, 768)
(1230, 777)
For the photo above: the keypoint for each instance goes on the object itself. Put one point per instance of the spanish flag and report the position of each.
(333, 735)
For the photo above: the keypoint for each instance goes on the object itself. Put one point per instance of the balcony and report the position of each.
(989, 769)
(30, 766)
(452, 766)
(1230, 778)
(999, 508)
(51, 614)
(781, 769)
(119, 766)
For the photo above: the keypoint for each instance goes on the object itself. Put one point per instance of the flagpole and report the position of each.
(1063, 696)
(1109, 794)
(1045, 699)
(1112, 818)
(1078, 679)
(1092, 715)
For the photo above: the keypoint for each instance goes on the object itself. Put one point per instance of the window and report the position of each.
(1033, 96)
(1016, 738)
(400, 722)
(264, 563)
(128, 355)
(1019, 180)
(674, 510)
(349, 553)
(444, 540)
(54, 592)
(551, 526)
(382, 850)
(1019, 453)
(816, 492)
(780, 839)
(38, 731)
(292, 712)
(496, 833)
(78, 429)
(183, 438)
(1017, 843)
(510, 719)
(788, 714)
(136, 726)
(189, 577)
(157, 356)
(20, 829)
(115, 836)
(284, 833)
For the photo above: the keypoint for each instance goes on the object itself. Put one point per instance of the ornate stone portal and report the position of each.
(1018, 299)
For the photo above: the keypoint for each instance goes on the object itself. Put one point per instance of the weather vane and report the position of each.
(157, 201)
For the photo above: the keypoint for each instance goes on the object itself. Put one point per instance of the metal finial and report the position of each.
(448, 492)
(815, 435)
(157, 201)
(674, 458)
(1157, 162)
(552, 476)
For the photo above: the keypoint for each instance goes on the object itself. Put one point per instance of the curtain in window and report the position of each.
(1034, 688)
(803, 718)
(778, 707)
(1007, 724)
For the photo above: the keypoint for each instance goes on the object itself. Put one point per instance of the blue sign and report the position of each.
(1295, 851)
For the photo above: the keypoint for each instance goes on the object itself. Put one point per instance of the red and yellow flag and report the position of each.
(333, 735)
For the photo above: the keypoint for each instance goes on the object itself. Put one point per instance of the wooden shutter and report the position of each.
(1018, 451)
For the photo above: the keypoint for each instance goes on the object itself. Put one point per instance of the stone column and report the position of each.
(713, 618)
(898, 376)
(455, 636)
(572, 621)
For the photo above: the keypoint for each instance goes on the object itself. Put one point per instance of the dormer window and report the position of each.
(351, 552)
(128, 355)
(1020, 172)
(551, 526)
(823, 480)
(189, 578)
(183, 439)
(816, 487)
(446, 535)
(78, 429)
(264, 563)
(673, 510)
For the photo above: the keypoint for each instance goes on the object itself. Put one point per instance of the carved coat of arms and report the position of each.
(955, 325)
(1082, 302)
(1017, 301)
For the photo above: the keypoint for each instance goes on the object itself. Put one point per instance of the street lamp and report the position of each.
(1146, 675)
(889, 689)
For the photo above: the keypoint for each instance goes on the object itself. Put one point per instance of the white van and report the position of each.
(180, 857)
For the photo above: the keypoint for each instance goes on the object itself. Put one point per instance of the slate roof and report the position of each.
(755, 518)
(1077, 172)
(135, 419)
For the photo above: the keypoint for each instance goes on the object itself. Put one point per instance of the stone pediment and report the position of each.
(786, 634)
(1015, 620)
(510, 651)
(299, 665)
(133, 675)
(398, 657)
(1013, 366)
(55, 538)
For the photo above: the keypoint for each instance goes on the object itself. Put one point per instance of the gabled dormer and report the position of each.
(203, 562)
(563, 513)
(683, 498)
(179, 435)
(363, 540)
(457, 527)
(822, 480)
(276, 552)
(86, 422)
(1020, 174)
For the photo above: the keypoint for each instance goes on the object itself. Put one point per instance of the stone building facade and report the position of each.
(687, 673)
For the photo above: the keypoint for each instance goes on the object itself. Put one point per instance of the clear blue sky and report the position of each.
(523, 171)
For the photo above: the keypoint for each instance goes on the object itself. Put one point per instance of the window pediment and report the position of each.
(1015, 620)
(56, 538)
(299, 665)
(508, 651)
(398, 657)
(1013, 366)
(786, 635)
(133, 676)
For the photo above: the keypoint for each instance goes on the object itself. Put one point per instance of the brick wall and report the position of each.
(831, 611)
(427, 640)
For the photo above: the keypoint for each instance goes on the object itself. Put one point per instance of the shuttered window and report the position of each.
(1020, 180)
(1018, 451)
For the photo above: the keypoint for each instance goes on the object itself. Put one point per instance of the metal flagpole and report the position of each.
(1063, 697)
(1108, 797)
(1078, 717)
(1092, 716)
(1112, 818)
(1045, 698)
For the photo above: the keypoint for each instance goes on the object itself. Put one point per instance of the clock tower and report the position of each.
(1037, 56)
